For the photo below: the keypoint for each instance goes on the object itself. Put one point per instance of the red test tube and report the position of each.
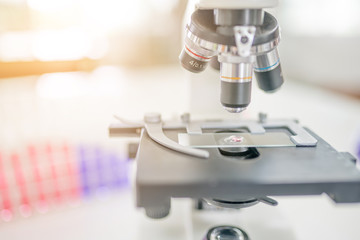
(25, 208)
(6, 211)
(42, 205)
(71, 172)
(54, 176)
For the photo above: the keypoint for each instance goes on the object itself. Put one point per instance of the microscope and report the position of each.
(238, 38)
(234, 164)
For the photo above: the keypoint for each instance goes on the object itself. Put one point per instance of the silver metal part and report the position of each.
(267, 61)
(197, 51)
(262, 117)
(237, 37)
(156, 133)
(152, 118)
(268, 201)
(257, 136)
(221, 48)
(236, 76)
(300, 136)
(240, 203)
(160, 211)
(245, 17)
(193, 128)
(226, 233)
(245, 203)
(194, 57)
(236, 72)
(265, 47)
(244, 37)
(235, 109)
(185, 117)
(235, 140)
(206, 36)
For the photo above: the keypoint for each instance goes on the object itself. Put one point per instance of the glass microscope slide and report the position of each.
(215, 140)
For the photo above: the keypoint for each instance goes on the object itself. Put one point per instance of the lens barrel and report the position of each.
(235, 96)
(194, 58)
(236, 80)
(193, 63)
(268, 71)
(270, 81)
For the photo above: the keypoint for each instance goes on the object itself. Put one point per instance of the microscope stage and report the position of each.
(163, 173)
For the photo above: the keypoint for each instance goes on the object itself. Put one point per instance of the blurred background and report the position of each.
(66, 66)
(319, 45)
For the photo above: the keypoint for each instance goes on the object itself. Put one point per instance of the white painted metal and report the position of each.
(237, 4)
